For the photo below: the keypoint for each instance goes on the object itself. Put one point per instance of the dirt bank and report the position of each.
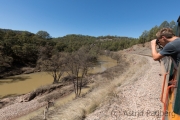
(14, 107)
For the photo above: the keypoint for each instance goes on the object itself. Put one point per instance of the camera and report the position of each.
(157, 42)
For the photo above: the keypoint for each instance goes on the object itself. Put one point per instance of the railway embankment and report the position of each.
(138, 98)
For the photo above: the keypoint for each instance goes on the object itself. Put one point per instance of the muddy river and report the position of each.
(21, 84)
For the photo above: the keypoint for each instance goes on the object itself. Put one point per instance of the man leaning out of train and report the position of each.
(170, 43)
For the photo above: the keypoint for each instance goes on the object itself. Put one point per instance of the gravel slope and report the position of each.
(18, 109)
(136, 99)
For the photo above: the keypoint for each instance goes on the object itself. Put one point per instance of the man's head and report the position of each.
(164, 34)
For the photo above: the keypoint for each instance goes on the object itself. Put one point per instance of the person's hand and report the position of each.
(153, 42)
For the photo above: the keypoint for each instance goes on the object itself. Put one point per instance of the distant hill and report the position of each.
(16, 31)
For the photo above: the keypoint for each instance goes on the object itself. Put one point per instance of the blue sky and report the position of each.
(87, 17)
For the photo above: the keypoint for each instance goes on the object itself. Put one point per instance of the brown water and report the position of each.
(21, 84)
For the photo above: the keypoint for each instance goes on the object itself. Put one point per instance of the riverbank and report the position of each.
(19, 105)
(22, 100)
(105, 84)
(25, 83)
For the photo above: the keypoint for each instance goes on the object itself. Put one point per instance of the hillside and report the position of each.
(130, 90)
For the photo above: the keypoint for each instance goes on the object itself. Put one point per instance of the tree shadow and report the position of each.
(4, 103)
(86, 86)
(14, 79)
(9, 95)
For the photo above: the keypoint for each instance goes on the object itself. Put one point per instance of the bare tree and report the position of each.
(55, 65)
(117, 57)
(78, 63)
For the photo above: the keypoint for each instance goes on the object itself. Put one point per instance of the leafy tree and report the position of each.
(5, 61)
(143, 37)
(1, 35)
(173, 26)
(164, 24)
(60, 46)
(151, 34)
(43, 34)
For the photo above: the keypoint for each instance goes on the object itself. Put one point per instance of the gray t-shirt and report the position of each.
(172, 49)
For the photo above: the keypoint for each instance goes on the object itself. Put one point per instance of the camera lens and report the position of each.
(157, 41)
